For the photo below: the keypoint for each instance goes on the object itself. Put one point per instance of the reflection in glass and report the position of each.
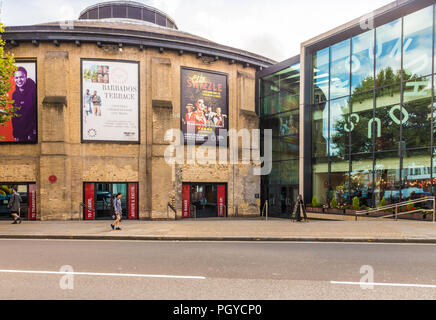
(386, 124)
(417, 48)
(388, 53)
(387, 177)
(417, 113)
(340, 70)
(339, 181)
(416, 177)
(320, 130)
(359, 122)
(362, 62)
(339, 126)
(320, 179)
(361, 179)
(321, 76)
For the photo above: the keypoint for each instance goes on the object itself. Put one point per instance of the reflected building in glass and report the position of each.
(366, 111)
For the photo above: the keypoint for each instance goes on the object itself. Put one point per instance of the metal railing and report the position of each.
(264, 212)
(170, 206)
(195, 211)
(396, 206)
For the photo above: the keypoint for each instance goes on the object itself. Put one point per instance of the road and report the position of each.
(31, 269)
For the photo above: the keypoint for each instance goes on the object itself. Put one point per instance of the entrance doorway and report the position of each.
(27, 192)
(99, 198)
(281, 200)
(204, 200)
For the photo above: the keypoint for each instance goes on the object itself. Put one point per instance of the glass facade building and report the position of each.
(365, 111)
(279, 111)
(372, 113)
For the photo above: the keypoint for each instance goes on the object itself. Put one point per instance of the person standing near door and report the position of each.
(14, 204)
(118, 212)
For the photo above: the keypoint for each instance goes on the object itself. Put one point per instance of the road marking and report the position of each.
(385, 284)
(106, 274)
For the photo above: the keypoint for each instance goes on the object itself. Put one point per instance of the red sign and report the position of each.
(221, 200)
(186, 201)
(133, 201)
(89, 201)
(32, 201)
(52, 178)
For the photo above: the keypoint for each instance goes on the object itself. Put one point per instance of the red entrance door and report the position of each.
(222, 209)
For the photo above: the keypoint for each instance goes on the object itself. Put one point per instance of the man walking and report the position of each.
(118, 212)
(14, 204)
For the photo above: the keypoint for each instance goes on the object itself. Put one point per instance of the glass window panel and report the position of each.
(386, 125)
(276, 149)
(105, 12)
(119, 11)
(320, 180)
(339, 180)
(417, 48)
(358, 122)
(416, 176)
(161, 19)
(274, 177)
(320, 130)
(290, 79)
(134, 13)
(361, 179)
(289, 101)
(387, 177)
(288, 124)
(362, 63)
(290, 147)
(148, 15)
(321, 76)
(416, 117)
(271, 85)
(271, 104)
(388, 53)
(289, 172)
(339, 130)
(340, 70)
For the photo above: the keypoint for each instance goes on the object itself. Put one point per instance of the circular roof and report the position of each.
(127, 10)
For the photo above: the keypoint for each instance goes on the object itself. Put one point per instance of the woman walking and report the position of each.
(118, 212)
(14, 204)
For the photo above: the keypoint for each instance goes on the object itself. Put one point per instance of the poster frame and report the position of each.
(35, 61)
(81, 101)
(227, 120)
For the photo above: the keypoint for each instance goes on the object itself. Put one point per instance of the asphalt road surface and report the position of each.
(50, 269)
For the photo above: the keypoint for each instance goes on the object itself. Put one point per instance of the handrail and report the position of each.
(265, 209)
(195, 211)
(169, 205)
(401, 204)
(392, 206)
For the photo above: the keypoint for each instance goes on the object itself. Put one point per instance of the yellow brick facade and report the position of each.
(60, 152)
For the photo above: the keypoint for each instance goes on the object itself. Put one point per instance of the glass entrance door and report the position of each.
(208, 200)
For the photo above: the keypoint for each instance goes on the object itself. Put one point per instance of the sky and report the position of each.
(273, 28)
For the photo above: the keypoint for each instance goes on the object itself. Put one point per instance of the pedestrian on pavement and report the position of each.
(14, 204)
(118, 212)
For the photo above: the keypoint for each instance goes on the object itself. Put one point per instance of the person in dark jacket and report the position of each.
(24, 125)
(118, 212)
(14, 204)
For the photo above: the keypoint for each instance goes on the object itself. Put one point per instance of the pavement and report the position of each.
(227, 230)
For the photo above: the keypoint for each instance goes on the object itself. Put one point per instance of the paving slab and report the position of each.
(227, 230)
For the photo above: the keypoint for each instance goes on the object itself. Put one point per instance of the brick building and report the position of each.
(68, 163)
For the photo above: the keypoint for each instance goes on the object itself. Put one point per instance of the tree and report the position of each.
(7, 69)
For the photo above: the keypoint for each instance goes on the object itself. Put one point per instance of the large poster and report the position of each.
(23, 128)
(110, 101)
(204, 105)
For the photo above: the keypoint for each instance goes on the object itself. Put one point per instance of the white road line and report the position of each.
(105, 274)
(385, 284)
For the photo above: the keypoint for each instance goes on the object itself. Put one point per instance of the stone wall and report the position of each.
(61, 153)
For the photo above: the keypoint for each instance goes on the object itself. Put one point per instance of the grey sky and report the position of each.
(272, 28)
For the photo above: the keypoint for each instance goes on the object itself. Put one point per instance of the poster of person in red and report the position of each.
(23, 128)
(204, 105)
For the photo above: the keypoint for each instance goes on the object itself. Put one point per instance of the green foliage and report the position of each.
(7, 69)
(334, 203)
(315, 202)
(356, 203)
(383, 202)
(410, 205)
